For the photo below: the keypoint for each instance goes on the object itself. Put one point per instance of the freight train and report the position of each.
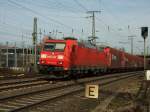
(69, 56)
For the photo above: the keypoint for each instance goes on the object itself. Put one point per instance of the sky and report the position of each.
(117, 20)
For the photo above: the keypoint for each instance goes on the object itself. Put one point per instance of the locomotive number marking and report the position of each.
(51, 56)
(91, 91)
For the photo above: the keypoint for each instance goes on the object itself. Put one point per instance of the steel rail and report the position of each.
(68, 89)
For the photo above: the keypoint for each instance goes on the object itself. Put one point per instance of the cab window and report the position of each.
(54, 47)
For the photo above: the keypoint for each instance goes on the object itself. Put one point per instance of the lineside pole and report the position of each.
(131, 38)
(7, 55)
(23, 53)
(16, 64)
(93, 25)
(34, 34)
(145, 54)
(144, 34)
(0, 56)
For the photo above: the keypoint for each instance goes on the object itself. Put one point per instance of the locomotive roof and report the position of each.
(60, 40)
(81, 43)
(54, 40)
(70, 38)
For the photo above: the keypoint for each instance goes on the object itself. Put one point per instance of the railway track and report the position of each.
(29, 97)
(6, 85)
(21, 85)
(142, 99)
(20, 80)
(11, 76)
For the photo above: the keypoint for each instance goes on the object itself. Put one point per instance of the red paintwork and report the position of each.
(89, 57)
(123, 60)
(79, 56)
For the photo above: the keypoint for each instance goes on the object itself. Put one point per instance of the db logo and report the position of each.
(91, 91)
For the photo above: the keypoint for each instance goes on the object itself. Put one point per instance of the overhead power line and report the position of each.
(10, 26)
(41, 15)
(58, 5)
(99, 2)
(111, 29)
(65, 6)
(77, 2)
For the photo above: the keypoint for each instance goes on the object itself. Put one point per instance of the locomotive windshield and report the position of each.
(54, 46)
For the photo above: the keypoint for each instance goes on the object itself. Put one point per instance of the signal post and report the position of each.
(144, 34)
(144, 102)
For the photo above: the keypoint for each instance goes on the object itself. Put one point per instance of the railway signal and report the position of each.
(144, 34)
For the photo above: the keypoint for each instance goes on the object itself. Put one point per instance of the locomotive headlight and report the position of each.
(60, 57)
(43, 55)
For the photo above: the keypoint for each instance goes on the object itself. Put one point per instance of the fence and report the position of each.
(15, 56)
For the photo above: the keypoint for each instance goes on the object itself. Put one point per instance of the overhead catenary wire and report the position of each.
(65, 6)
(99, 2)
(41, 15)
(10, 11)
(15, 27)
(83, 7)
(60, 5)
(11, 34)
(9, 23)
(110, 28)
(12, 31)
(116, 18)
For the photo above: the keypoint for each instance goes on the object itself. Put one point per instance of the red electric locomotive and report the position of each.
(69, 55)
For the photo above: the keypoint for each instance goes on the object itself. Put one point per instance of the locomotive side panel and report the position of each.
(87, 57)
